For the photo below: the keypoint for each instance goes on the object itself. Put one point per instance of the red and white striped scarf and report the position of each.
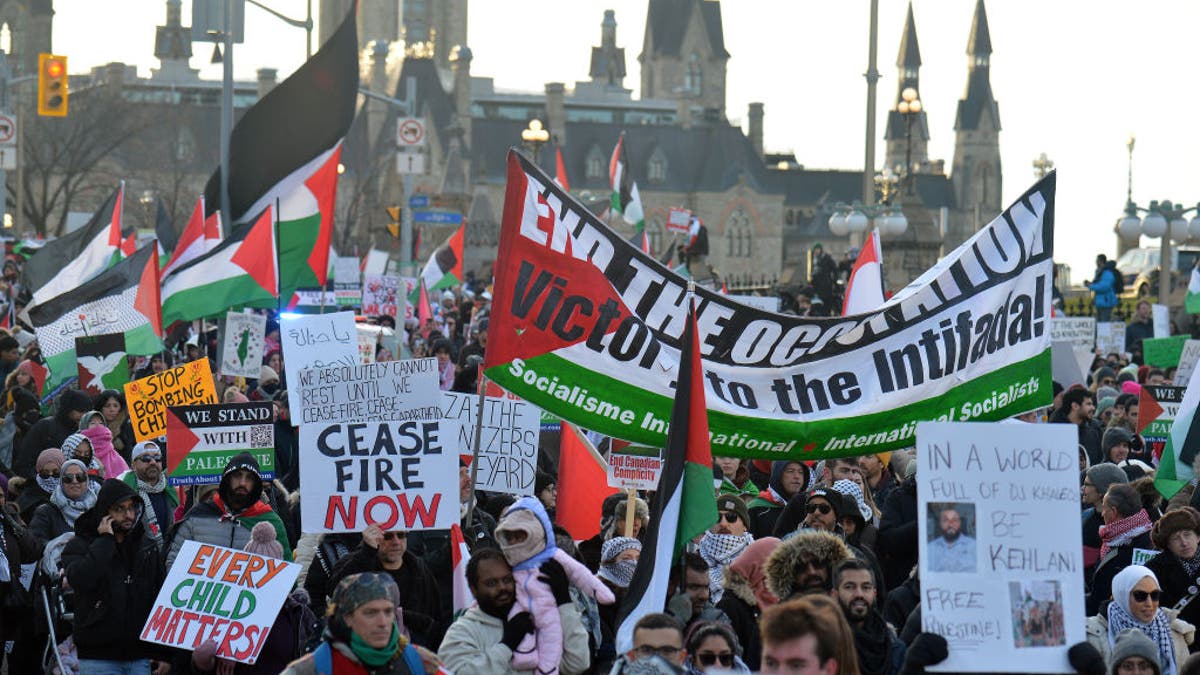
(1123, 531)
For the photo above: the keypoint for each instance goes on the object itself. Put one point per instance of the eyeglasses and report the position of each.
(825, 509)
(1107, 382)
(74, 478)
(729, 516)
(389, 536)
(148, 458)
(52, 474)
(710, 658)
(666, 651)
(1140, 596)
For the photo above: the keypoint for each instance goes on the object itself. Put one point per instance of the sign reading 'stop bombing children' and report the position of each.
(397, 475)
(1003, 589)
(149, 397)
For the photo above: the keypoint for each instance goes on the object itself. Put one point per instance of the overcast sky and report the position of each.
(1073, 80)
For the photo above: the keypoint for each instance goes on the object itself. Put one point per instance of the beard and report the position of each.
(951, 536)
(239, 500)
(813, 583)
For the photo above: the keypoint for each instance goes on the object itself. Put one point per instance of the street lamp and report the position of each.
(535, 136)
(857, 217)
(909, 107)
(1165, 220)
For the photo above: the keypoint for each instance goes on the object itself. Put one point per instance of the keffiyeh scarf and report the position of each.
(1123, 531)
(73, 508)
(719, 550)
(151, 518)
(1158, 630)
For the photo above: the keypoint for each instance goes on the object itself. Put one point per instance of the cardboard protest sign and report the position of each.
(1005, 590)
(347, 283)
(201, 439)
(594, 338)
(102, 362)
(317, 341)
(1161, 318)
(1188, 358)
(241, 353)
(678, 220)
(1110, 337)
(379, 295)
(397, 475)
(390, 391)
(1069, 364)
(508, 450)
(1163, 352)
(1078, 330)
(635, 468)
(149, 397)
(215, 593)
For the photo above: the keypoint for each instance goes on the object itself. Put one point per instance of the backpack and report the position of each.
(1118, 280)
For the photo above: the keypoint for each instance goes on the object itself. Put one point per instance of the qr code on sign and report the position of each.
(262, 436)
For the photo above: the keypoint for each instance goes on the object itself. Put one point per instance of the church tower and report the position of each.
(904, 133)
(25, 30)
(976, 173)
(173, 47)
(683, 54)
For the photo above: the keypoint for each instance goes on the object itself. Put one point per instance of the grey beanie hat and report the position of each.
(1106, 474)
(1133, 642)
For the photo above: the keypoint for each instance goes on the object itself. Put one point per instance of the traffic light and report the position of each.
(394, 226)
(52, 85)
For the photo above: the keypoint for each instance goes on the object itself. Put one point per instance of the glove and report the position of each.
(1085, 659)
(205, 656)
(926, 650)
(515, 630)
(554, 576)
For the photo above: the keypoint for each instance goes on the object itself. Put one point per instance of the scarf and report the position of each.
(73, 508)
(373, 657)
(770, 495)
(1123, 531)
(48, 485)
(250, 513)
(719, 550)
(1191, 565)
(145, 490)
(873, 642)
(1158, 630)
(620, 572)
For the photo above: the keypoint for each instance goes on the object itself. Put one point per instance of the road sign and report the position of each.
(418, 201)
(8, 129)
(410, 132)
(8, 158)
(410, 162)
(437, 218)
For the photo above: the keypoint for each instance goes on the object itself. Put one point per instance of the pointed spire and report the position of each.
(980, 42)
(910, 51)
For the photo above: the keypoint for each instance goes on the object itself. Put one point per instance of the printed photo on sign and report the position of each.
(951, 542)
(397, 475)
(1037, 614)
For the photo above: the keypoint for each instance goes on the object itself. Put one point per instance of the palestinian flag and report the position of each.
(424, 310)
(560, 170)
(1192, 302)
(684, 506)
(583, 475)
(460, 555)
(284, 151)
(164, 231)
(1183, 441)
(201, 235)
(445, 267)
(241, 272)
(864, 290)
(123, 299)
(625, 198)
(67, 262)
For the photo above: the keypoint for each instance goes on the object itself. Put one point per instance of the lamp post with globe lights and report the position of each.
(1166, 220)
(909, 107)
(856, 218)
(535, 136)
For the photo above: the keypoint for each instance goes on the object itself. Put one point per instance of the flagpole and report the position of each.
(630, 510)
(478, 440)
(278, 260)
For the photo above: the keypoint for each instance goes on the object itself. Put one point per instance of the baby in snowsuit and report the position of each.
(526, 537)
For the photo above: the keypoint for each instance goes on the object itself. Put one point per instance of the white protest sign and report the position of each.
(390, 391)
(1078, 330)
(379, 295)
(317, 341)
(1187, 363)
(1001, 553)
(347, 283)
(763, 302)
(376, 262)
(635, 468)
(1110, 337)
(1069, 364)
(1162, 321)
(215, 593)
(397, 475)
(509, 443)
(368, 340)
(242, 344)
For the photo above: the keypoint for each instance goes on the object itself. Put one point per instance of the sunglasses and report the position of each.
(1140, 596)
(825, 509)
(74, 478)
(389, 536)
(709, 658)
(729, 517)
(52, 474)
(148, 458)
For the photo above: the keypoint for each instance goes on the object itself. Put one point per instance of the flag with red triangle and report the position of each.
(582, 474)
(76, 257)
(200, 235)
(124, 299)
(864, 289)
(560, 170)
(445, 267)
(460, 556)
(243, 271)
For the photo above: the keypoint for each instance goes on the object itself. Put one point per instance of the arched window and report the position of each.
(656, 170)
(739, 235)
(654, 232)
(595, 163)
(694, 80)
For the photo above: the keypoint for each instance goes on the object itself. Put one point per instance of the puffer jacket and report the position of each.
(824, 548)
(472, 644)
(739, 604)
(204, 524)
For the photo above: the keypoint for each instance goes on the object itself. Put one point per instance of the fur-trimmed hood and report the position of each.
(738, 586)
(821, 546)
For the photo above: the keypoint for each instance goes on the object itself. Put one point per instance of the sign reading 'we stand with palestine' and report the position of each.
(201, 439)
(587, 327)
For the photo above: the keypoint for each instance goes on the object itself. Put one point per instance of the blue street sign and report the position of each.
(437, 218)
(418, 201)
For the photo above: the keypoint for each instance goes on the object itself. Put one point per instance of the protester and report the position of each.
(51, 431)
(1177, 567)
(788, 479)
(858, 518)
(1104, 287)
(735, 477)
(1133, 652)
(712, 646)
(75, 494)
(691, 601)
(897, 542)
(1096, 482)
(804, 564)
(48, 470)
(747, 595)
(545, 488)
(111, 403)
(1126, 527)
(877, 473)
(116, 572)
(655, 636)
(880, 651)
(798, 632)
(100, 438)
(725, 541)
(24, 412)
(1136, 605)
(618, 561)
(1139, 328)
(149, 479)
(1078, 407)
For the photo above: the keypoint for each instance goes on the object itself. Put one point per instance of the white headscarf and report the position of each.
(1120, 617)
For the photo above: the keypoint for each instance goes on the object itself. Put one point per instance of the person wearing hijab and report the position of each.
(1136, 594)
(102, 445)
(45, 481)
(75, 494)
(111, 403)
(77, 446)
(746, 595)
(618, 560)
